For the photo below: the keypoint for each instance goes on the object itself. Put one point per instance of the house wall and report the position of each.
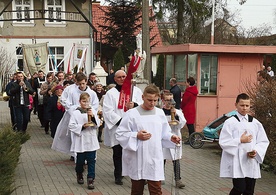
(39, 29)
(11, 36)
(11, 44)
(235, 71)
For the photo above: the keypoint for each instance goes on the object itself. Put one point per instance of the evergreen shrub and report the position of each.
(10, 147)
(118, 60)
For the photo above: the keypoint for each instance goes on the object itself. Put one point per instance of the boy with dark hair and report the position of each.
(244, 144)
(92, 79)
(70, 100)
(143, 131)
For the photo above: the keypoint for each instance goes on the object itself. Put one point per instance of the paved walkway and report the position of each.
(44, 171)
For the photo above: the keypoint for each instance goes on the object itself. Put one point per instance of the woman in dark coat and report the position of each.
(54, 110)
(188, 104)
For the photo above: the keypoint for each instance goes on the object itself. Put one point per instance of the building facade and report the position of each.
(221, 73)
(58, 23)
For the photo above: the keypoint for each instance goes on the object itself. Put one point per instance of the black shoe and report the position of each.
(72, 158)
(80, 178)
(90, 183)
(118, 182)
(46, 132)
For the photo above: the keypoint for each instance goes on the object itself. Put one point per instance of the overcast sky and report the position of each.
(256, 12)
(253, 12)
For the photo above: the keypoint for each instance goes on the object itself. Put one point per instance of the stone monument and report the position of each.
(101, 74)
(139, 74)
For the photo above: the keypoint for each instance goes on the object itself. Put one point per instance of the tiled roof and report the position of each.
(97, 18)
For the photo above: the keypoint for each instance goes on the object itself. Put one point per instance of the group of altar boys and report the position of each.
(142, 136)
(77, 132)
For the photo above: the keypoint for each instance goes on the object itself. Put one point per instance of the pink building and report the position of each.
(221, 72)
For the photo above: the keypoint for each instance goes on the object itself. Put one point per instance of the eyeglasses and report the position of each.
(167, 100)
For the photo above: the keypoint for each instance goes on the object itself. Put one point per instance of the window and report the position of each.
(55, 11)
(208, 76)
(21, 11)
(169, 69)
(56, 54)
(19, 55)
(192, 66)
(180, 69)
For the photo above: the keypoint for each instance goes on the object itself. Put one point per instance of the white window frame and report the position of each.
(55, 23)
(57, 57)
(23, 6)
(209, 74)
(19, 56)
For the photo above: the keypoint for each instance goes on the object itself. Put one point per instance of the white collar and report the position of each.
(242, 117)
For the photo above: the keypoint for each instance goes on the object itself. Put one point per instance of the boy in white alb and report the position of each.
(142, 133)
(244, 144)
(70, 100)
(84, 138)
(177, 121)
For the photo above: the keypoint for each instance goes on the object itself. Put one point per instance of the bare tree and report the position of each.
(6, 65)
(254, 35)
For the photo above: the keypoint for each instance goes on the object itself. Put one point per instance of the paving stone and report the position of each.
(45, 171)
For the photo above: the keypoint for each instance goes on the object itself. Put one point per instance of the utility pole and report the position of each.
(146, 39)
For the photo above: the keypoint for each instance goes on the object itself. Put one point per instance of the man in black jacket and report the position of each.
(20, 91)
(176, 91)
(38, 97)
(110, 77)
(12, 113)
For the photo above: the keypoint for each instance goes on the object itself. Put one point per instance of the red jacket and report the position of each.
(188, 104)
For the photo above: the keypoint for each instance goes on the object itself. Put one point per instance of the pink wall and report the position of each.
(237, 64)
(234, 71)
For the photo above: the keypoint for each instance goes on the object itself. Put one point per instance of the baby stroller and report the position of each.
(210, 132)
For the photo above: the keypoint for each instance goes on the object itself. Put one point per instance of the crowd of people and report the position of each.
(77, 109)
